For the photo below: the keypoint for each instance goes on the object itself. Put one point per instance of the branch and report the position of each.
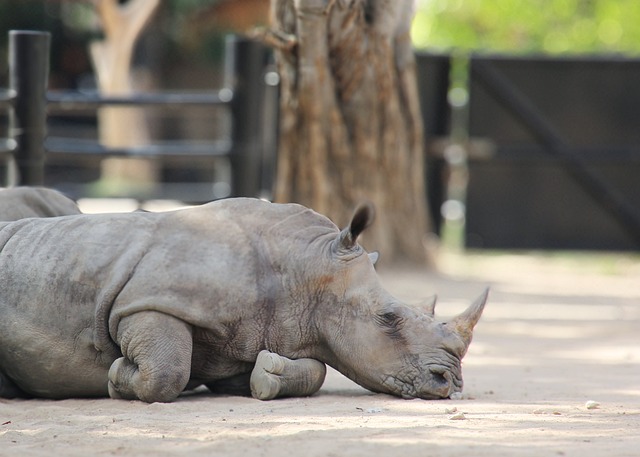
(110, 16)
(279, 40)
(137, 14)
(128, 20)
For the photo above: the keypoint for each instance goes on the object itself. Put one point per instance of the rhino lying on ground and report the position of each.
(23, 202)
(240, 295)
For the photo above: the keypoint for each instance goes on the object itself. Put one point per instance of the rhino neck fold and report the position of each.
(351, 340)
(300, 289)
(292, 331)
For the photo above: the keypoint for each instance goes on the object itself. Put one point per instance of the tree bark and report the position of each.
(351, 126)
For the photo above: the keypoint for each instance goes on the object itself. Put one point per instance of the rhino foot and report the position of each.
(276, 376)
(265, 377)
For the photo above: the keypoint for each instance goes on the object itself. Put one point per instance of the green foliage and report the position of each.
(529, 26)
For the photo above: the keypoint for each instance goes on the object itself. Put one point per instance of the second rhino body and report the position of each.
(23, 202)
(234, 294)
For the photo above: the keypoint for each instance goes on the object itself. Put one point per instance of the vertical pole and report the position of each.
(270, 124)
(28, 74)
(244, 67)
(433, 72)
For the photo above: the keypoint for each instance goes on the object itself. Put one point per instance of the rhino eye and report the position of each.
(388, 318)
(391, 323)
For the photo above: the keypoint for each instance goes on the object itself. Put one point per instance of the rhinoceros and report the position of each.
(240, 295)
(23, 202)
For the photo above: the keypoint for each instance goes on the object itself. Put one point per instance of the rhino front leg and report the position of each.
(157, 358)
(277, 376)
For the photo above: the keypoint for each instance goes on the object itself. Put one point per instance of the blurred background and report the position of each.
(529, 26)
(544, 144)
(531, 110)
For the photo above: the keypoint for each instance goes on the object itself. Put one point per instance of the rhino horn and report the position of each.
(362, 218)
(463, 323)
(428, 305)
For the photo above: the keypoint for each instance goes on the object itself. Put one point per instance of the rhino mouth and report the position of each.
(439, 383)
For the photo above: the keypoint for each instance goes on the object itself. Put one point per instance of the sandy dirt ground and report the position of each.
(557, 333)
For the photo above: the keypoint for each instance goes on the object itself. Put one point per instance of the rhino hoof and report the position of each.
(265, 380)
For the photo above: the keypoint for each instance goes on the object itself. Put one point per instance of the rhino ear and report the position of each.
(361, 219)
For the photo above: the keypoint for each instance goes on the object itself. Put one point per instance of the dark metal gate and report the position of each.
(565, 173)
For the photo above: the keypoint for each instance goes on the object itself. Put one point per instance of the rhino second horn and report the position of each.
(428, 305)
(464, 322)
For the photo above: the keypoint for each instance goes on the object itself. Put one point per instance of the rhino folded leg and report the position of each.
(157, 358)
(277, 376)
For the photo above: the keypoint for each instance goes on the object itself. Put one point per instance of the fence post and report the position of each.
(28, 74)
(245, 61)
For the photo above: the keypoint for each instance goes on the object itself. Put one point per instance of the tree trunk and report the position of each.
(351, 126)
(112, 57)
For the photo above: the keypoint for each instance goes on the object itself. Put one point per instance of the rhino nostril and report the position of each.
(442, 381)
(440, 378)
(440, 374)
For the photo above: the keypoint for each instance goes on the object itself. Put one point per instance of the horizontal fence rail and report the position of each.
(186, 149)
(67, 100)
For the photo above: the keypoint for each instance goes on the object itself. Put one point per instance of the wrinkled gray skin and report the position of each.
(23, 202)
(240, 295)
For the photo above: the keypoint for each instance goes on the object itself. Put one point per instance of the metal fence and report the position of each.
(245, 95)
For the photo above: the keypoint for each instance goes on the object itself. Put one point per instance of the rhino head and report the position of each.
(383, 344)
